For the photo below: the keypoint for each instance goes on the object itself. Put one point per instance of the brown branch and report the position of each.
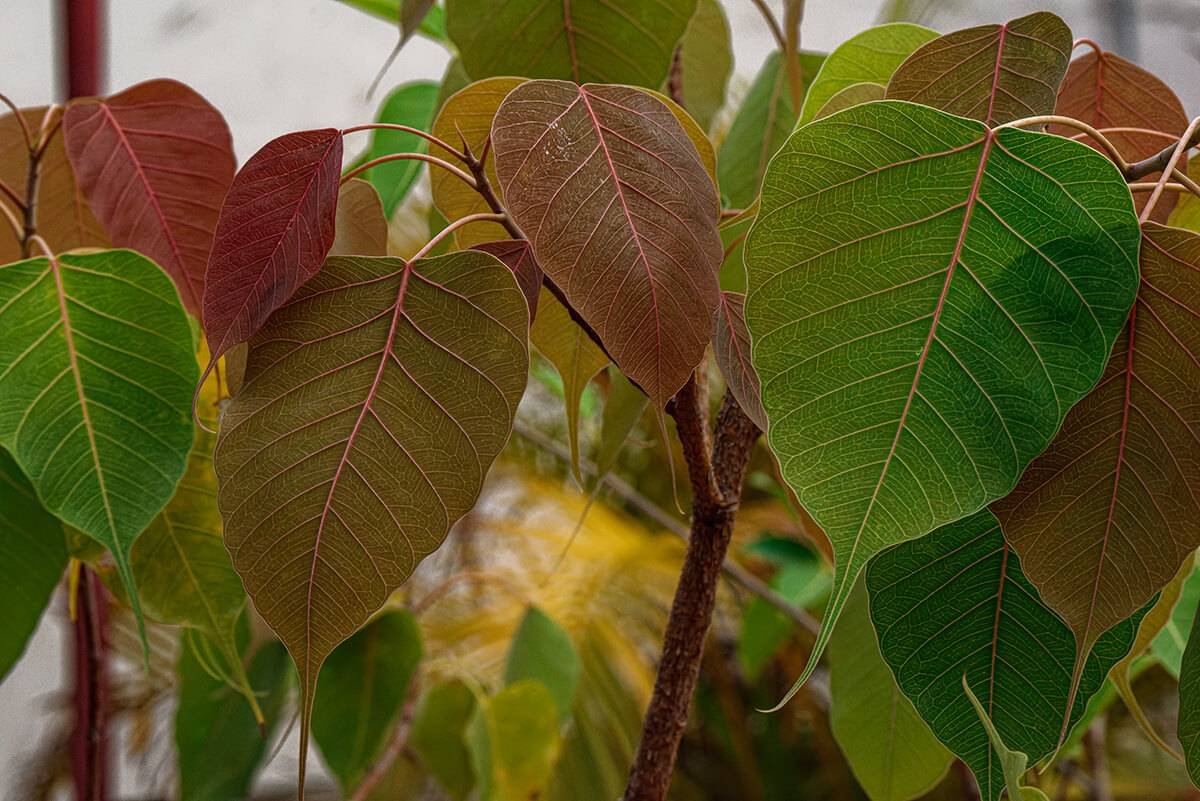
(395, 747)
(675, 77)
(716, 476)
(1159, 161)
(772, 23)
(89, 743)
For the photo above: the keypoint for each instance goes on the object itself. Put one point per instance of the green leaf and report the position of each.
(623, 408)
(220, 745)
(413, 105)
(514, 742)
(362, 691)
(438, 736)
(706, 57)
(914, 359)
(868, 57)
(853, 95)
(432, 25)
(542, 650)
(586, 41)
(1189, 704)
(891, 750)
(802, 580)
(35, 553)
(993, 73)
(1013, 763)
(955, 603)
(1171, 642)
(96, 379)
(763, 122)
(375, 402)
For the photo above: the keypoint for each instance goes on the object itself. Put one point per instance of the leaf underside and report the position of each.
(731, 348)
(360, 227)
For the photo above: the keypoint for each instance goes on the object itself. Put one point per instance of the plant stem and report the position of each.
(391, 126)
(395, 747)
(772, 23)
(445, 165)
(1162, 158)
(1094, 749)
(716, 476)
(88, 740)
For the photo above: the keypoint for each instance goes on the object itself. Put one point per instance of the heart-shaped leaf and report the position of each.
(374, 403)
(956, 603)
(518, 257)
(621, 215)
(731, 347)
(1105, 517)
(993, 73)
(96, 373)
(913, 360)
(361, 229)
(155, 162)
(275, 229)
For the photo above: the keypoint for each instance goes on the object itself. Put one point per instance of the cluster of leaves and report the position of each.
(918, 261)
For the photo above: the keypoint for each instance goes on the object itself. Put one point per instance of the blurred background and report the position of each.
(273, 66)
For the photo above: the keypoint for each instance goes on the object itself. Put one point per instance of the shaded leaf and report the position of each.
(914, 360)
(601, 41)
(438, 736)
(518, 257)
(375, 401)
(802, 579)
(467, 116)
(155, 162)
(853, 95)
(412, 14)
(623, 407)
(361, 229)
(64, 219)
(621, 215)
(891, 750)
(35, 555)
(542, 651)
(275, 229)
(731, 347)
(364, 686)
(1169, 645)
(1013, 763)
(868, 57)
(993, 73)
(956, 603)
(413, 105)
(1189, 704)
(96, 372)
(514, 741)
(707, 61)
(1105, 517)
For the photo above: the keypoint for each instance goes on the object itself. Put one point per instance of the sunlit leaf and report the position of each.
(374, 404)
(706, 58)
(35, 552)
(275, 229)
(413, 105)
(956, 603)
(361, 228)
(891, 750)
(96, 375)
(993, 73)
(853, 95)
(601, 41)
(541, 650)
(154, 162)
(868, 57)
(914, 359)
(1105, 517)
(731, 347)
(362, 691)
(514, 741)
(518, 257)
(438, 736)
(622, 216)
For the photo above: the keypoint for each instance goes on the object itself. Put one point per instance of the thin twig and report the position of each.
(445, 165)
(1159, 160)
(390, 126)
(395, 746)
(1185, 142)
(25, 132)
(1148, 186)
(772, 23)
(482, 216)
(18, 231)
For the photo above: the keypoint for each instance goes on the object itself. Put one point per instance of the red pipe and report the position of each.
(83, 54)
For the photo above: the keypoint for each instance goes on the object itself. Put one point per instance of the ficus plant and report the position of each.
(944, 287)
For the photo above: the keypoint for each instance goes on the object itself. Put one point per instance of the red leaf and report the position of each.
(276, 227)
(731, 347)
(154, 162)
(518, 257)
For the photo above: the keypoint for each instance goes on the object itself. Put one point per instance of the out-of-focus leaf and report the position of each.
(1169, 645)
(413, 105)
(1187, 209)
(916, 358)
(587, 41)
(891, 750)
(361, 693)
(622, 215)
(853, 95)
(514, 741)
(454, 79)
(155, 162)
(35, 554)
(432, 25)
(412, 16)
(707, 61)
(731, 346)
(868, 57)
(623, 407)
(802, 580)
(992, 73)
(1189, 704)
(543, 651)
(438, 736)
(361, 227)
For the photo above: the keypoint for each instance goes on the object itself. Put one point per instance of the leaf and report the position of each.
(576, 358)
(542, 650)
(220, 745)
(1013, 763)
(1189, 704)
(437, 736)
(412, 14)
(1186, 213)
(600, 41)
(915, 359)
(514, 741)
(621, 215)
(154, 162)
(467, 116)
(853, 95)
(1104, 518)
(1170, 643)
(431, 26)
(802, 580)
(992, 73)
(706, 58)
(64, 219)
(365, 684)
(96, 372)
(518, 257)
(891, 750)
(361, 229)
(761, 125)
(275, 229)
(35, 556)
(623, 409)
(731, 347)
(375, 401)
(957, 602)
(868, 57)
(413, 105)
